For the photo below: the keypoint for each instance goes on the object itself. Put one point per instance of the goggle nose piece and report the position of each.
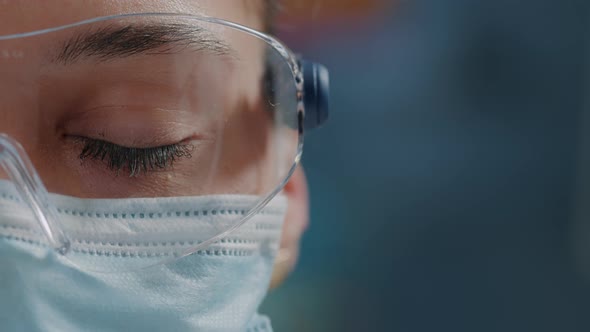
(21, 172)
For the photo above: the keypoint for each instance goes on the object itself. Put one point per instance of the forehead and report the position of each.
(18, 16)
(24, 60)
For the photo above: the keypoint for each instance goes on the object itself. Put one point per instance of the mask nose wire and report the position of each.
(14, 160)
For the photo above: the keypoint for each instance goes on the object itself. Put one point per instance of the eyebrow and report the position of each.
(115, 42)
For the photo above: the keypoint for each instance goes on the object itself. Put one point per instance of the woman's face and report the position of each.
(139, 107)
(144, 107)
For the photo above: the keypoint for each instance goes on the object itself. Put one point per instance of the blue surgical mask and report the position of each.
(216, 289)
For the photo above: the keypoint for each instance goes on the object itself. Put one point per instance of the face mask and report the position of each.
(216, 289)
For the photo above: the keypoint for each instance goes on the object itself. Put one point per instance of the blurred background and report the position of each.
(450, 190)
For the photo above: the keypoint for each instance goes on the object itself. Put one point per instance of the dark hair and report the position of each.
(271, 7)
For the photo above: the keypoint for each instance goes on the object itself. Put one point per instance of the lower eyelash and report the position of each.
(134, 160)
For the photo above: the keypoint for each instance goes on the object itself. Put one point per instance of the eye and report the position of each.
(134, 161)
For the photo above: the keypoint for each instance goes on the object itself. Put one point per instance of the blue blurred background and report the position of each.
(450, 190)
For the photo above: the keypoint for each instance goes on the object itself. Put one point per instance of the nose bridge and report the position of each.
(22, 128)
(18, 118)
(20, 109)
(19, 122)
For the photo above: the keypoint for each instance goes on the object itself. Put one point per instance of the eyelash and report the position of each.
(134, 160)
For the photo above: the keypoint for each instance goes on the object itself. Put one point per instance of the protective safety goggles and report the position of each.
(153, 105)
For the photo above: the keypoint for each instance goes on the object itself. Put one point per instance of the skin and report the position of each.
(72, 99)
(329, 9)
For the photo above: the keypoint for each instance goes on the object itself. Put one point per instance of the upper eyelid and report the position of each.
(85, 140)
(135, 160)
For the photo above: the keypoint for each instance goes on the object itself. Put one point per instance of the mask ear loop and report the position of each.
(19, 167)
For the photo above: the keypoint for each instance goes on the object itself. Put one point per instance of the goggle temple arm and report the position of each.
(316, 93)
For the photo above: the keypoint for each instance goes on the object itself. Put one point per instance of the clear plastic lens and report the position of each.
(150, 106)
